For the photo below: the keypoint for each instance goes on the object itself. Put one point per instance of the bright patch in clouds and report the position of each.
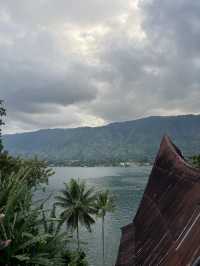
(87, 63)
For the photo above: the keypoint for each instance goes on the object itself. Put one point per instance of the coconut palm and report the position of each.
(78, 204)
(104, 204)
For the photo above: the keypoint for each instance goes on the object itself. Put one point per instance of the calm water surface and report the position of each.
(127, 184)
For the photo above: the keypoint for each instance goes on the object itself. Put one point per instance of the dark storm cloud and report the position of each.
(76, 62)
(31, 88)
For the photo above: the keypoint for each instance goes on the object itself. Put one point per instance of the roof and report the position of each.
(166, 228)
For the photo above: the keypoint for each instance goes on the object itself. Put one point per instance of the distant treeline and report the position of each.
(134, 140)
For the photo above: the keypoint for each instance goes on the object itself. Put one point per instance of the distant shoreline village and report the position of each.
(106, 163)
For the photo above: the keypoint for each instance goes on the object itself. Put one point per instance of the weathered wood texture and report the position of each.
(166, 228)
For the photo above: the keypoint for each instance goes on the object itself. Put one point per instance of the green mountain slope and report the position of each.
(137, 140)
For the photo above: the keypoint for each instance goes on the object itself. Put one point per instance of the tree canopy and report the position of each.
(2, 114)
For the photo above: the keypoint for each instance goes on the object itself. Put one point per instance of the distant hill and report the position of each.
(136, 140)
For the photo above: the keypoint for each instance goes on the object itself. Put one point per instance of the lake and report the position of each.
(127, 185)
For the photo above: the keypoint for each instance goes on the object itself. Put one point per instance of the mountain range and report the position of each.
(132, 140)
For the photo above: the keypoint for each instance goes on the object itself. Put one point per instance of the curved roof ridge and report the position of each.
(166, 139)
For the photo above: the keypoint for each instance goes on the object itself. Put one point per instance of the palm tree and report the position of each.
(104, 205)
(78, 204)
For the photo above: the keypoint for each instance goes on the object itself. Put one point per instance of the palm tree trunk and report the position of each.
(103, 255)
(78, 240)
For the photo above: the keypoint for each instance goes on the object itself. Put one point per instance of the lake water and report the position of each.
(127, 185)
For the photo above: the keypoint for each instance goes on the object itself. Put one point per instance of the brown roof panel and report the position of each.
(166, 228)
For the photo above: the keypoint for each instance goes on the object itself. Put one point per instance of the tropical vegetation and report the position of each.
(30, 234)
(196, 160)
(80, 203)
(104, 204)
(2, 114)
(78, 206)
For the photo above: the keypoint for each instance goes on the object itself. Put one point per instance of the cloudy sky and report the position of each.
(68, 63)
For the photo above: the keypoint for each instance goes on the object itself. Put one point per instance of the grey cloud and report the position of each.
(51, 119)
(161, 74)
(29, 88)
(50, 12)
(114, 76)
(34, 72)
(175, 22)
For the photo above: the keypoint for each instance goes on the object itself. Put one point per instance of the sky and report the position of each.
(69, 63)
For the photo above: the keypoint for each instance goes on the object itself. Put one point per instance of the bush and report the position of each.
(23, 223)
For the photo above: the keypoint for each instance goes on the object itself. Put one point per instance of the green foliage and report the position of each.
(2, 113)
(77, 203)
(31, 244)
(135, 140)
(80, 203)
(75, 258)
(3, 244)
(29, 235)
(35, 232)
(38, 170)
(105, 203)
(196, 161)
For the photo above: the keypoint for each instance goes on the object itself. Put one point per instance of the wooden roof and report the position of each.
(166, 228)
